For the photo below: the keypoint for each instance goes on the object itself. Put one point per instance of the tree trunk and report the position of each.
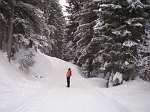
(4, 42)
(1, 35)
(10, 32)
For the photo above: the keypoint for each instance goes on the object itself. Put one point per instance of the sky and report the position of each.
(63, 3)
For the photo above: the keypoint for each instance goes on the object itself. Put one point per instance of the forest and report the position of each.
(108, 37)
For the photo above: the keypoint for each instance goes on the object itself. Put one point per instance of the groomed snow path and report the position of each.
(80, 97)
(23, 92)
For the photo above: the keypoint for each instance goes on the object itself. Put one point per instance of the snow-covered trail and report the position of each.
(80, 97)
(23, 92)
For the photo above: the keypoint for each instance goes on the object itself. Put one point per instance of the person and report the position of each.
(30, 43)
(68, 75)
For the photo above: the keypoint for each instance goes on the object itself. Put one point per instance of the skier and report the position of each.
(68, 75)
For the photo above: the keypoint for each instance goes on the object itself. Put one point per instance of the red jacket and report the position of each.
(68, 73)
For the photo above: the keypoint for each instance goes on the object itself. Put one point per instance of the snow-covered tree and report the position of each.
(144, 56)
(71, 27)
(27, 20)
(54, 18)
(80, 33)
(121, 29)
(31, 22)
(25, 58)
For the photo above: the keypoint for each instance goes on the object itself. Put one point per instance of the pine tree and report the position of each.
(84, 37)
(120, 30)
(25, 21)
(71, 27)
(32, 23)
(59, 23)
(25, 58)
(80, 33)
(54, 17)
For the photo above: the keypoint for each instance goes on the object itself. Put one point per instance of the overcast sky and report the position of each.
(63, 3)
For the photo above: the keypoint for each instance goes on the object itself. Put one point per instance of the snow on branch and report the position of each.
(36, 10)
(112, 6)
(35, 13)
(135, 21)
(103, 1)
(136, 4)
(122, 33)
(129, 43)
(2, 17)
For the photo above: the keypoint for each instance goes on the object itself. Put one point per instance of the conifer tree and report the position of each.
(120, 30)
(36, 21)
(56, 19)
(84, 35)
(80, 33)
(71, 27)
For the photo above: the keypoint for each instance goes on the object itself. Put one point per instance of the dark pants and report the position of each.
(68, 81)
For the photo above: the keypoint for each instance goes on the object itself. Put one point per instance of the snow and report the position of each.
(116, 33)
(133, 22)
(1, 16)
(96, 0)
(22, 92)
(98, 59)
(118, 76)
(111, 5)
(129, 43)
(133, 95)
(135, 4)
(122, 33)
(138, 24)
(64, 4)
(126, 63)
(98, 24)
(14, 87)
(129, 1)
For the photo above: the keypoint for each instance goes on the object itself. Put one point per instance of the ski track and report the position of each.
(29, 102)
(99, 93)
(58, 98)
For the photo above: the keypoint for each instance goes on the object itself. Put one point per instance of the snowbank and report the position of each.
(132, 95)
(20, 92)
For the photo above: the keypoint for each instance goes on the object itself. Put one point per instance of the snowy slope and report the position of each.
(26, 93)
(14, 87)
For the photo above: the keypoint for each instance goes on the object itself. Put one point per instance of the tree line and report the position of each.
(28, 25)
(110, 37)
